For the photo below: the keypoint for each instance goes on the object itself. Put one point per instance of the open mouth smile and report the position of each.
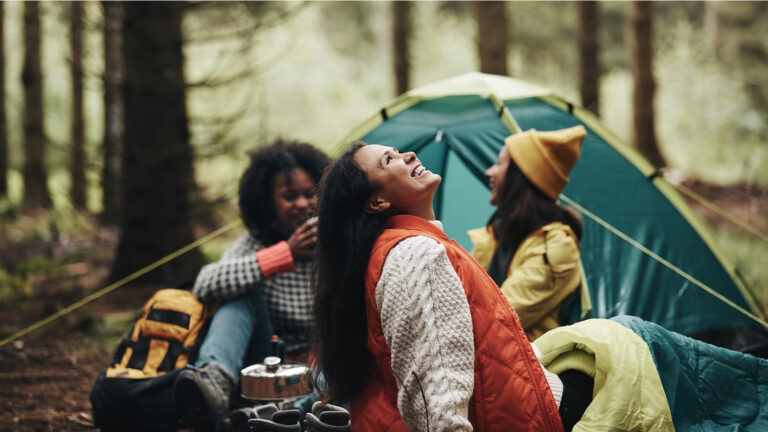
(418, 171)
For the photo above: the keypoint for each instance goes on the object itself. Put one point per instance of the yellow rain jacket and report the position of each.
(628, 393)
(536, 286)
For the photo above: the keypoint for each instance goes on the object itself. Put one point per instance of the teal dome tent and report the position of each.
(644, 252)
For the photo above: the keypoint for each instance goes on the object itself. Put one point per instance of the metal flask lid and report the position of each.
(274, 380)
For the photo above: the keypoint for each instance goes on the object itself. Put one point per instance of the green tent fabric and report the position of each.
(458, 125)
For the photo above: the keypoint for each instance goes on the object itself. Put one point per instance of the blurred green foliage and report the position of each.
(13, 286)
(748, 254)
(41, 244)
(110, 329)
(44, 225)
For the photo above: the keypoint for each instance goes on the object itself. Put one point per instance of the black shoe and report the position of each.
(201, 397)
(327, 418)
(270, 420)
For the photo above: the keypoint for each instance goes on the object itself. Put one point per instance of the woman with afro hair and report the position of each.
(262, 281)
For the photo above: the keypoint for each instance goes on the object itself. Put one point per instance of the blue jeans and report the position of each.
(239, 335)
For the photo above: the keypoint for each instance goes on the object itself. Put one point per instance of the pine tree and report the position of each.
(34, 171)
(641, 64)
(158, 176)
(492, 36)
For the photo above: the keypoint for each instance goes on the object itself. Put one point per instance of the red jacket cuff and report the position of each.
(275, 259)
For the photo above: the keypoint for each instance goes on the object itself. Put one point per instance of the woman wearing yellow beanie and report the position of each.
(530, 245)
(617, 374)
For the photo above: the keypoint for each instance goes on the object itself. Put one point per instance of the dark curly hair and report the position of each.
(257, 207)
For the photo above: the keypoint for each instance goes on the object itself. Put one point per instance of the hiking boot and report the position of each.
(201, 397)
(268, 420)
(327, 418)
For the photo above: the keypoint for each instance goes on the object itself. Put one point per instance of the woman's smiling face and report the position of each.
(294, 197)
(405, 184)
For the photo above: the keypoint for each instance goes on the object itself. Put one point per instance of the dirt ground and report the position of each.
(45, 385)
(45, 381)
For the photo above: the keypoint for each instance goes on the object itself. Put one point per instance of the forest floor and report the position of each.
(45, 381)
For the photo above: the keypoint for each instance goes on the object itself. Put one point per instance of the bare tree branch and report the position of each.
(261, 23)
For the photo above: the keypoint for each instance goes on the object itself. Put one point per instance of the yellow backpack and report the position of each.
(163, 337)
(135, 391)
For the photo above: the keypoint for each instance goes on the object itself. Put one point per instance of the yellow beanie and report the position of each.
(546, 158)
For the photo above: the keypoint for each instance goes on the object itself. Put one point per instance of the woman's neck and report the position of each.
(428, 212)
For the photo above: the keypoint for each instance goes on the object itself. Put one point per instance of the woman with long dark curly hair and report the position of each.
(530, 246)
(411, 329)
(262, 281)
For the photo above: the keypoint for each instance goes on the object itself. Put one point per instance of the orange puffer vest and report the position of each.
(511, 392)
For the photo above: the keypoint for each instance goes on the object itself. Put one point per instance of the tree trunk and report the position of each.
(589, 67)
(401, 34)
(492, 36)
(34, 170)
(113, 111)
(77, 155)
(3, 132)
(158, 176)
(641, 63)
(736, 28)
(711, 25)
(753, 56)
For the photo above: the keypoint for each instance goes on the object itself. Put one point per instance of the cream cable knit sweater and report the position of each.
(428, 328)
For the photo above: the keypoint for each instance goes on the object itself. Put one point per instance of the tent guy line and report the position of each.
(106, 290)
(661, 260)
(720, 211)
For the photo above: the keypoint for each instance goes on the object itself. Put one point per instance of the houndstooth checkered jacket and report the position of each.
(288, 295)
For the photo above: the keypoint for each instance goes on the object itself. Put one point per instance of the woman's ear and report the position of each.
(376, 204)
